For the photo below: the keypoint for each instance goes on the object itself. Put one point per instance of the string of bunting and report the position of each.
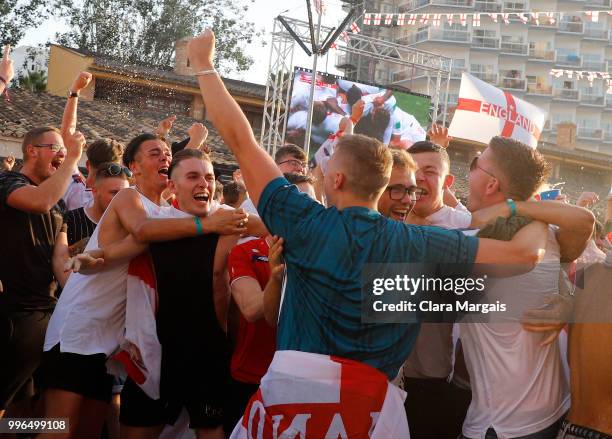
(552, 17)
(583, 74)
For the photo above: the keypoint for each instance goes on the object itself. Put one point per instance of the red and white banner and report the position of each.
(140, 352)
(484, 111)
(310, 396)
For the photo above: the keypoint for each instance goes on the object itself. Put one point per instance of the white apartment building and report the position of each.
(516, 57)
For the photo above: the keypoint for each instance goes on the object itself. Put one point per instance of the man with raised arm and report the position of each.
(6, 69)
(330, 374)
(88, 323)
(76, 195)
(31, 212)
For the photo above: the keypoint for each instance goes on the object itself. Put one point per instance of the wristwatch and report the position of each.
(73, 94)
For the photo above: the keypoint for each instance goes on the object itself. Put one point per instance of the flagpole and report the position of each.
(312, 86)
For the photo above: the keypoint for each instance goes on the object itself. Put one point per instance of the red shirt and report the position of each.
(256, 341)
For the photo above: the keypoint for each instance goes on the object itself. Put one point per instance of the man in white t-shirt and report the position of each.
(430, 363)
(519, 386)
(88, 321)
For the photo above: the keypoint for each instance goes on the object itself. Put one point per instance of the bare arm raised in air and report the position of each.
(257, 167)
(6, 68)
(69, 119)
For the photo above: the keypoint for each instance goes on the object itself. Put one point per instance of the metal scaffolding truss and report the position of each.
(278, 84)
(436, 68)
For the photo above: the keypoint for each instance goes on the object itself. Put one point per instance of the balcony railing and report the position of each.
(599, 66)
(607, 136)
(600, 3)
(431, 34)
(485, 42)
(487, 6)
(516, 7)
(487, 77)
(565, 94)
(574, 27)
(572, 60)
(514, 48)
(542, 55)
(592, 99)
(413, 4)
(513, 83)
(543, 22)
(589, 133)
(539, 90)
(596, 33)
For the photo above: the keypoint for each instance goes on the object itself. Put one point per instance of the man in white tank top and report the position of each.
(519, 386)
(88, 321)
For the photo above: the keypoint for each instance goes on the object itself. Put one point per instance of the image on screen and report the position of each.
(396, 118)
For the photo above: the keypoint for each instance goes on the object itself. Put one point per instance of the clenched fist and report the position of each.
(197, 135)
(201, 50)
(6, 65)
(80, 82)
(74, 144)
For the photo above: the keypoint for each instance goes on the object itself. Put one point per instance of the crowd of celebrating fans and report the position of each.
(145, 294)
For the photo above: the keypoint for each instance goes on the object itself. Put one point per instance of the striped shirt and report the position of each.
(326, 251)
(79, 225)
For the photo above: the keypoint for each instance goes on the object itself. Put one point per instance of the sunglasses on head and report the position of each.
(115, 170)
(55, 147)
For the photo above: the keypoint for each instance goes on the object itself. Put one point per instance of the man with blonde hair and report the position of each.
(321, 336)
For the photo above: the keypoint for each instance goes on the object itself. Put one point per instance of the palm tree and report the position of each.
(36, 82)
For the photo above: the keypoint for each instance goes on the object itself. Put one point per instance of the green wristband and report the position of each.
(198, 223)
(512, 206)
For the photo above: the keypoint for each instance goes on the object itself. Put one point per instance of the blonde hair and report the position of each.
(367, 165)
(403, 160)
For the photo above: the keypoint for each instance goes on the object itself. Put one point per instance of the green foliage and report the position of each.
(36, 82)
(17, 16)
(145, 30)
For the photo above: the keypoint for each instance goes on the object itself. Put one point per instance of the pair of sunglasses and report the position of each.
(115, 170)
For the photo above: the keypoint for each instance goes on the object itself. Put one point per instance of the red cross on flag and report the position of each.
(355, 28)
(484, 111)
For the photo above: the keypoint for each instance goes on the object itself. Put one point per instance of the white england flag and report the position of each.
(484, 111)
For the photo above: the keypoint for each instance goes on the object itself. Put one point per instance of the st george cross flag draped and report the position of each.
(484, 111)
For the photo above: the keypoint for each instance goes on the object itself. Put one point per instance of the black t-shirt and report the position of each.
(27, 248)
(78, 224)
(193, 343)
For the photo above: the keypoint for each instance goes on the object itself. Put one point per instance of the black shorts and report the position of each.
(82, 374)
(138, 410)
(22, 334)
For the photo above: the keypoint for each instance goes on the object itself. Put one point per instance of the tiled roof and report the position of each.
(97, 119)
(241, 88)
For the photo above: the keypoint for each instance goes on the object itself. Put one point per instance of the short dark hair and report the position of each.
(104, 151)
(102, 172)
(353, 94)
(294, 178)
(33, 136)
(319, 113)
(427, 146)
(133, 147)
(232, 191)
(185, 154)
(289, 150)
(524, 168)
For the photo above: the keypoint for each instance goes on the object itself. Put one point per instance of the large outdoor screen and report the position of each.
(396, 118)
